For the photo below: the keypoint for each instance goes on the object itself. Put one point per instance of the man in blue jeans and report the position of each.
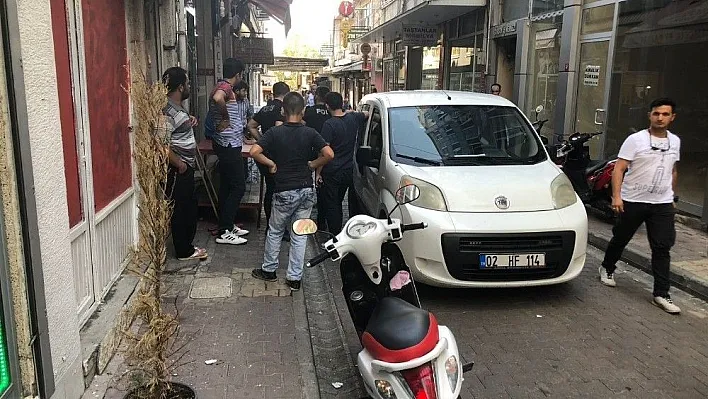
(289, 148)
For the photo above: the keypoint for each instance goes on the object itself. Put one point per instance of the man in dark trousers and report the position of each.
(182, 155)
(228, 146)
(289, 162)
(645, 194)
(315, 117)
(340, 132)
(268, 117)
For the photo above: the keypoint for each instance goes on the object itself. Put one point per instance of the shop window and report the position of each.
(544, 56)
(660, 52)
(515, 9)
(431, 67)
(467, 65)
(598, 19)
(544, 6)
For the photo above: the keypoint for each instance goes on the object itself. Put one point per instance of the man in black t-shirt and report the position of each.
(315, 117)
(267, 117)
(289, 162)
(340, 133)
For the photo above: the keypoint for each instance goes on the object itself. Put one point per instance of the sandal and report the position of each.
(199, 253)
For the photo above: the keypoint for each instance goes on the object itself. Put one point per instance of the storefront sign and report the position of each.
(366, 64)
(346, 8)
(420, 35)
(503, 30)
(592, 75)
(254, 50)
(327, 50)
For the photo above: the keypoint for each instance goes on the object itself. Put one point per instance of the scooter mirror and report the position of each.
(304, 227)
(539, 109)
(407, 194)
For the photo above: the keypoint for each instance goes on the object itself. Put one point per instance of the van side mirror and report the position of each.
(363, 157)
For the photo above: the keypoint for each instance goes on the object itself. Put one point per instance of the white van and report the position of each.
(500, 213)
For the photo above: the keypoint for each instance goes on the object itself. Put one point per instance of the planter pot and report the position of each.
(178, 391)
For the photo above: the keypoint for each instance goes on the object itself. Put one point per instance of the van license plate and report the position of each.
(512, 261)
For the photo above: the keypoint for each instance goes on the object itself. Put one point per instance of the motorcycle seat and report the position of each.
(594, 166)
(398, 331)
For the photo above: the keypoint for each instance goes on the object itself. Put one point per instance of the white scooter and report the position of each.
(406, 354)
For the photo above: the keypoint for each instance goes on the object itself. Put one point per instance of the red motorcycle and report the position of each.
(592, 180)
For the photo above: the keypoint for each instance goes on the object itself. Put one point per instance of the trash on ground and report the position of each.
(337, 385)
(210, 361)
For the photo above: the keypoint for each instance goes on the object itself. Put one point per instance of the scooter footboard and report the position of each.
(448, 377)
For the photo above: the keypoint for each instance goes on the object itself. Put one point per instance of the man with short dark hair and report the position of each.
(290, 149)
(268, 117)
(340, 132)
(645, 194)
(228, 145)
(182, 156)
(315, 117)
(496, 89)
(217, 118)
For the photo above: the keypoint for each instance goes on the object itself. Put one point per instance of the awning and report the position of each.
(353, 67)
(278, 9)
(298, 64)
(429, 12)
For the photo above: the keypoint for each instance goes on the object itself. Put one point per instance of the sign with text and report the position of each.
(420, 35)
(504, 30)
(592, 75)
(254, 50)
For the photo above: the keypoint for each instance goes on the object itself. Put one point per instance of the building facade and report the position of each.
(596, 66)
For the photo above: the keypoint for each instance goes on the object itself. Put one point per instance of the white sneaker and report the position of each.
(606, 278)
(239, 232)
(230, 238)
(666, 304)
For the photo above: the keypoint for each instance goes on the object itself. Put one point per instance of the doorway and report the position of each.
(591, 99)
(506, 65)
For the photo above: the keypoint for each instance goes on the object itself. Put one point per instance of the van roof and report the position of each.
(408, 98)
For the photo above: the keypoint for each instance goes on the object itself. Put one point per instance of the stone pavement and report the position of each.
(256, 332)
(689, 257)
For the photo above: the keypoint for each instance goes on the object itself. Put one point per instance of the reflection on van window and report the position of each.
(462, 135)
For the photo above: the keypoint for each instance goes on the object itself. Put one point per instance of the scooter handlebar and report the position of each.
(413, 226)
(317, 259)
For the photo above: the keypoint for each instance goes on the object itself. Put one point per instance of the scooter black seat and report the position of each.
(594, 166)
(398, 331)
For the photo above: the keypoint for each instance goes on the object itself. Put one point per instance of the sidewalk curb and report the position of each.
(679, 280)
(306, 358)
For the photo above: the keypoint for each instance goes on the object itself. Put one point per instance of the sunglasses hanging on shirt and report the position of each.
(655, 148)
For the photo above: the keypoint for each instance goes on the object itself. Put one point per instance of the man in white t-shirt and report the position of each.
(646, 195)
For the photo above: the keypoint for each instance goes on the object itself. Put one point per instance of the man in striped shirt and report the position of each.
(182, 155)
(227, 146)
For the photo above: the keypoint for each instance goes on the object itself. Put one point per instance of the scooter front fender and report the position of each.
(373, 370)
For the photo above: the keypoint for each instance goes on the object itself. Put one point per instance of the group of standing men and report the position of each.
(304, 153)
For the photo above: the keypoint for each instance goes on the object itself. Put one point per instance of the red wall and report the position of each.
(107, 76)
(66, 109)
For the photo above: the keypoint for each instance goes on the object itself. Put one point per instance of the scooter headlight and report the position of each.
(385, 389)
(562, 192)
(452, 370)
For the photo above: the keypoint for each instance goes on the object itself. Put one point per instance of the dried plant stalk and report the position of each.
(148, 350)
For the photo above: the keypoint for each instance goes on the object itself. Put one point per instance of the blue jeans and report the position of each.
(288, 206)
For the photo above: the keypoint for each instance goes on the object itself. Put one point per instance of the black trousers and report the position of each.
(334, 188)
(321, 209)
(232, 184)
(180, 190)
(659, 219)
(270, 190)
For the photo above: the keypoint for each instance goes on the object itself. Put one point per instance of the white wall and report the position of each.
(37, 49)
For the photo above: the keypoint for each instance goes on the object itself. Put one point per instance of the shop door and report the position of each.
(591, 100)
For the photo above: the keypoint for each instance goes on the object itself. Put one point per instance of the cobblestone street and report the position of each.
(579, 339)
